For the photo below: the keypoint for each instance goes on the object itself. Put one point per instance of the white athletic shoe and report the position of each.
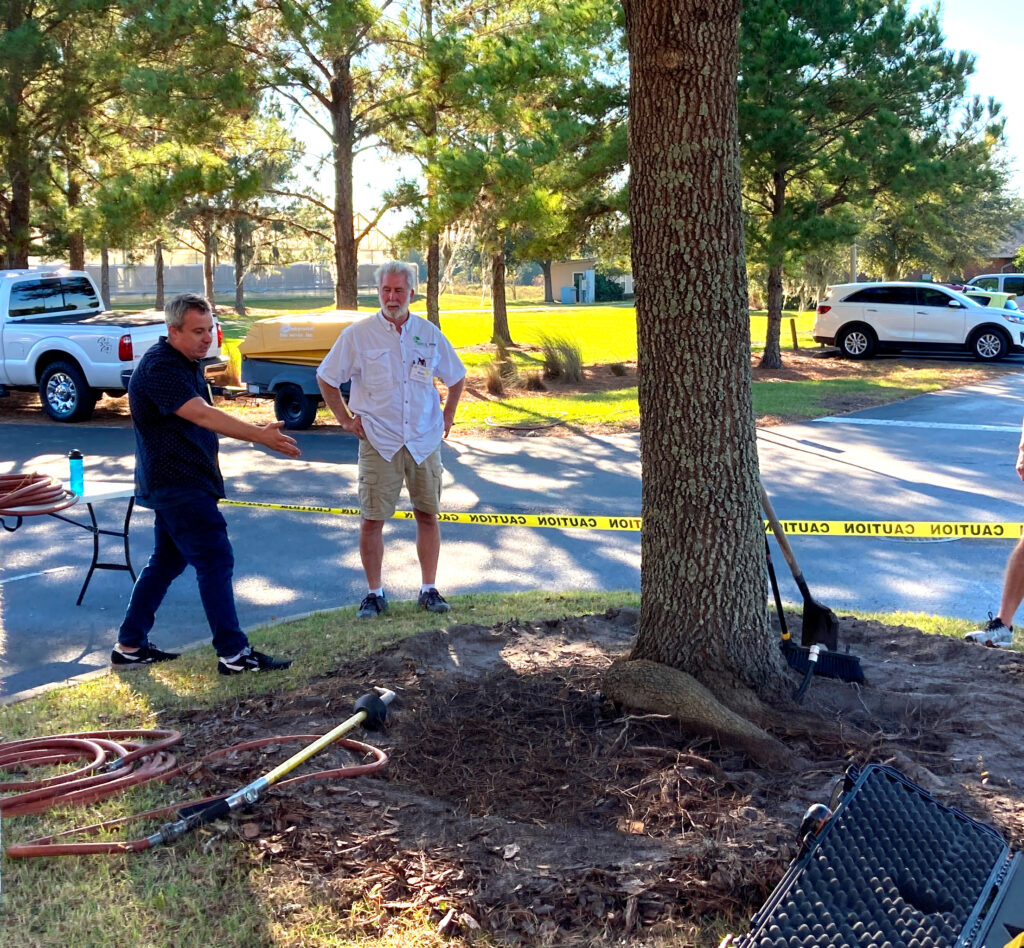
(994, 634)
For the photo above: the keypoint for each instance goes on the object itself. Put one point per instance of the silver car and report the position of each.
(863, 319)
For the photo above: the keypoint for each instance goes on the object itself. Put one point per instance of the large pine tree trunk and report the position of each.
(703, 607)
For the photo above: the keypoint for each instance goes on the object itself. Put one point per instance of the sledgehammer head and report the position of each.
(375, 705)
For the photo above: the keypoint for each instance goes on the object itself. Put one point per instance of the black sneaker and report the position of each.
(372, 606)
(433, 601)
(146, 655)
(251, 661)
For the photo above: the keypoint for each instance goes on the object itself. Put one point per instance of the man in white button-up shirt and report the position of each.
(394, 409)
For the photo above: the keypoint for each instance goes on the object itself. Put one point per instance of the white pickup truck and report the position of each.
(56, 338)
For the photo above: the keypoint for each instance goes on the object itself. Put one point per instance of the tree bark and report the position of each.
(549, 293)
(434, 279)
(158, 273)
(346, 269)
(500, 332)
(76, 237)
(772, 356)
(239, 254)
(703, 602)
(208, 260)
(105, 274)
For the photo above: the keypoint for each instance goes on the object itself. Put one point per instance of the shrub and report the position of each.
(532, 382)
(606, 290)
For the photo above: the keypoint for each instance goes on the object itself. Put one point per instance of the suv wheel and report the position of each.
(989, 345)
(857, 341)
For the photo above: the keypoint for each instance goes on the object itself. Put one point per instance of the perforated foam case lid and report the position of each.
(894, 868)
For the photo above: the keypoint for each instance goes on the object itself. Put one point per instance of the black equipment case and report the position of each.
(894, 868)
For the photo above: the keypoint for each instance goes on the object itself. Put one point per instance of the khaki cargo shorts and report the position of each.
(380, 481)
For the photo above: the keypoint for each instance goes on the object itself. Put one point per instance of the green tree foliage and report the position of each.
(841, 101)
(940, 233)
(510, 112)
(325, 58)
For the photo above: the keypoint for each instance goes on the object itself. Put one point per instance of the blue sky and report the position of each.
(990, 29)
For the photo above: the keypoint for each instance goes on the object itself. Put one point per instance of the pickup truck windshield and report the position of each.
(51, 296)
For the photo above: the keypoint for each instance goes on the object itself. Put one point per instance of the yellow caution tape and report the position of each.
(899, 529)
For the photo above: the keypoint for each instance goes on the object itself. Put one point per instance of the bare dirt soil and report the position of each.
(518, 802)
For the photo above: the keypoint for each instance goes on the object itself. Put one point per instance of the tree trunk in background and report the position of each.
(241, 236)
(158, 273)
(346, 269)
(105, 275)
(703, 605)
(434, 279)
(545, 268)
(772, 356)
(76, 238)
(500, 332)
(208, 262)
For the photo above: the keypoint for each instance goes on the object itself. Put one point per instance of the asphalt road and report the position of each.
(948, 456)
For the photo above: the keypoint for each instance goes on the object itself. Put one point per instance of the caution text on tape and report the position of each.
(913, 529)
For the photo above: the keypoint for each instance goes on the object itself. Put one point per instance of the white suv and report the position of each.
(865, 318)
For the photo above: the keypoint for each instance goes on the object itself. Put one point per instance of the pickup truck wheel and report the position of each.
(294, 407)
(64, 392)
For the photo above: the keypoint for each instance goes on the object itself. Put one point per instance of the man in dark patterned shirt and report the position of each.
(177, 475)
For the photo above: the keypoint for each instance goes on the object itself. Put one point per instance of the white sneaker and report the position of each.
(994, 634)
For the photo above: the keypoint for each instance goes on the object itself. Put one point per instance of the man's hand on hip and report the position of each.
(355, 426)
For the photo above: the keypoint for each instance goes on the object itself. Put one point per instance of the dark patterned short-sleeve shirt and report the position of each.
(173, 457)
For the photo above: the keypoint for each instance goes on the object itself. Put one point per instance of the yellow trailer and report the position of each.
(280, 356)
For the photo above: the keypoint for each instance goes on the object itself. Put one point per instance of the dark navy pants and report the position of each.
(188, 534)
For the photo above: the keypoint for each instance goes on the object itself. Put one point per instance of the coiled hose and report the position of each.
(110, 765)
(27, 495)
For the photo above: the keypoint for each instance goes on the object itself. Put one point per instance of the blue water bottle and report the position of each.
(77, 481)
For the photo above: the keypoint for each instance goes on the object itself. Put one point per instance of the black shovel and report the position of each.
(820, 624)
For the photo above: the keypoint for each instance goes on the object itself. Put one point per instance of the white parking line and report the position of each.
(42, 572)
(895, 423)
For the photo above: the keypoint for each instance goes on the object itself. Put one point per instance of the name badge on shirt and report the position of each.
(420, 373)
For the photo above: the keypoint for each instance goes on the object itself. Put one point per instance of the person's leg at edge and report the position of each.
(201, 533)
(1013, 585)
(428, 545)
(166, 564)
(371, 551)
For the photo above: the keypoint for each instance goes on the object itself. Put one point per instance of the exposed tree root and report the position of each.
(661, 689)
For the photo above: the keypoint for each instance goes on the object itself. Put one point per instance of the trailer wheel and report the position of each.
(294, 407)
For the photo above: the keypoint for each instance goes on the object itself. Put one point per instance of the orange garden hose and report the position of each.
(112, 767)
(24, 495)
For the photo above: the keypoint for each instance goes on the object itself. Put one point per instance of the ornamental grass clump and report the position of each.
(563, 358)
